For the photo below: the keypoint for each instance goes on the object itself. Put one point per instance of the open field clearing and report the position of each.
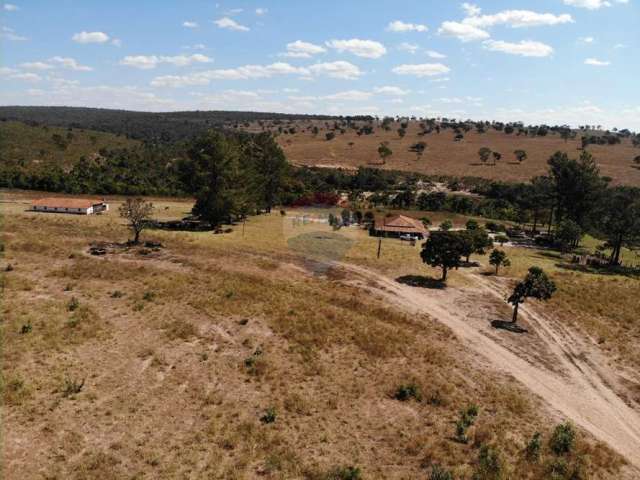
(443, 156)
(276, 350)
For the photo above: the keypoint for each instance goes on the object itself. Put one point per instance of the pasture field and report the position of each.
(443, 156)
(173, 363)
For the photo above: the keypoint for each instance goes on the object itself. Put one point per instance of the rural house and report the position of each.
(79, 206)
(397, 226)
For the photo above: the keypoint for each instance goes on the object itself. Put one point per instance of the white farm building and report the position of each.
(79, 206)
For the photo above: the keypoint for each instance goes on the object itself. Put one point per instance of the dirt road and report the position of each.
(569, 374)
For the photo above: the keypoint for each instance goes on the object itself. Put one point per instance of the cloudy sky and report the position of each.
(552, 61)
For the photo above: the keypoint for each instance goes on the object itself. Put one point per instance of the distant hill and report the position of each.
(146, 126)
(306, 143)
(33, 146)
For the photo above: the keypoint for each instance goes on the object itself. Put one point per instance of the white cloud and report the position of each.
(10, 7)
(300, 49)
(27, 77)
(422, 70)
(230, 24)
(261, 11)
(462, 31)
(596, 63)
(434, 54)
(360, 48)
(36, 66)
(189, 24)
(11, 35)
(116, 42)
(247, 72)
(586, 39)
(349, 95)
(408, 47)
(339, 69)
(90, 37)
(5, 71)
(148, 62)
(400, 26)
(518, 19)
(592, 4)
(471, 10)
(70, 63)
(525, 48)
(392, 91)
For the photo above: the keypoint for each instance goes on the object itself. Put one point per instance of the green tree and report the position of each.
(138, 213)
(446, 225)
(496, 157)
(619, 220)
(472, 224)
(475, 241)
(578, 187)
(267, 166)
(443, 250)
(215, 176)
(568, 234)
(536, 284)
(520, 155)
(484, 153)
(498, 258)
(384, 151)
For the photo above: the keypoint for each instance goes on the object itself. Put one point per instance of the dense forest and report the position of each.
(146, 126)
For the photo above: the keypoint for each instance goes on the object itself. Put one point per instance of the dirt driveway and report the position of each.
(560, 366)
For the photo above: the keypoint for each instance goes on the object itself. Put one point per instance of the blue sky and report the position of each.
(552, 61)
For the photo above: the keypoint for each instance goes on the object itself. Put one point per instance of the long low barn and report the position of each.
(399, 225)
(78, 206)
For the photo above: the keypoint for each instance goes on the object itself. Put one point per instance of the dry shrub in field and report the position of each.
(180, 329)
(14, 390)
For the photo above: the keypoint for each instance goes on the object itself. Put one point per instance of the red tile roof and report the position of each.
(61, 202)
(400, 223)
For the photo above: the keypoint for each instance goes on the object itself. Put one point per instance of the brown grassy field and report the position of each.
(161, 364)
(443, 156)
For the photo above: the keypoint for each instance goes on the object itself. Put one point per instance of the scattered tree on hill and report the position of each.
(443, 249)
(384, 151)
(636, 160)
(418, 148)
(536, 284)
(402, 132)
(496, 157)
(330, 136)
(498, 258)
(484, 153)
(520, 155)
(138, 213)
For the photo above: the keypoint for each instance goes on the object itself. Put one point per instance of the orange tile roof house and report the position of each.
(399, 225)
(78, 206)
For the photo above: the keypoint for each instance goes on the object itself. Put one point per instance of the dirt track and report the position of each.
(570, 377)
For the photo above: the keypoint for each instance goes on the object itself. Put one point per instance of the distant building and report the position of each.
(78, 206)
(398, 226)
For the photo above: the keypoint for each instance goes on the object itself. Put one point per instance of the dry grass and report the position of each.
(168, 392)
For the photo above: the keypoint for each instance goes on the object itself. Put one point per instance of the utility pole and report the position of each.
(379, 246)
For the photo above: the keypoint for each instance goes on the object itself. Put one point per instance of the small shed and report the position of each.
(78, 206)
(398, 226)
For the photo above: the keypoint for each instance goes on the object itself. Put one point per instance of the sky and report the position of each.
(538, 61)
